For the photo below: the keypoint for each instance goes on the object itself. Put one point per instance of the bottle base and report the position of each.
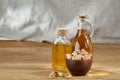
(59, 68)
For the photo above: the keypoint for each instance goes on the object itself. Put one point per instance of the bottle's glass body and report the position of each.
(60, 47)
(82, 41)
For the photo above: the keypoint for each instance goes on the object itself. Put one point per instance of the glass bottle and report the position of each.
(60, 47)
(82, 50)
(82, 40)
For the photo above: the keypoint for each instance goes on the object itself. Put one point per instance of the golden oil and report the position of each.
(61, 46)
(59, 52)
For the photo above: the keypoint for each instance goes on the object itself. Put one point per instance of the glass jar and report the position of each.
(60, 47)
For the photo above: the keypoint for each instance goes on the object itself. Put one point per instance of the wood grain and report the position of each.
(32, 61)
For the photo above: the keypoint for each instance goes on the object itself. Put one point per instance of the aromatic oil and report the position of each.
(60, 47)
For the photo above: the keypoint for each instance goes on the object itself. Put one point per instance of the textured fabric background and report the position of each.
(37, 20)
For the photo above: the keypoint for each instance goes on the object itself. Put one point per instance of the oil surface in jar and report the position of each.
(59, 52)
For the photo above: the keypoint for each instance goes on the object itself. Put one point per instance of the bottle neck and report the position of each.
(82, 24)
(61, 40)
(82, 19)
(82, 27)
(82, 32)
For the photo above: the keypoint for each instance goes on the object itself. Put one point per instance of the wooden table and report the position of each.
(32, 61)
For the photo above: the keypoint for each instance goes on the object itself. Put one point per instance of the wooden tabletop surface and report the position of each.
(32, 61)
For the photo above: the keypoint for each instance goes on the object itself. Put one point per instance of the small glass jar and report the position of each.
(60, 47)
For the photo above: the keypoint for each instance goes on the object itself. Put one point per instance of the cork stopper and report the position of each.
(83, 17)
(62, 32)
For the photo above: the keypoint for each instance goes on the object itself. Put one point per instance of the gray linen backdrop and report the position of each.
(37, 20)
